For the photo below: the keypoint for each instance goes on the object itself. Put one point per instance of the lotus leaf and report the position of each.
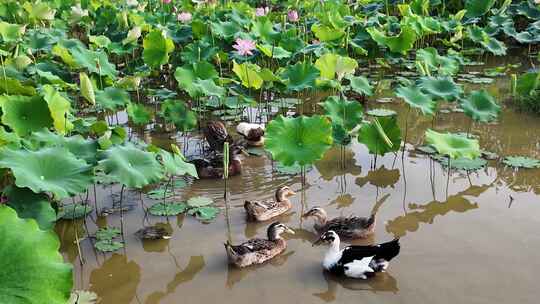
(11, 32)
(73, 211)
(416, 99)
(108, 245)
(398, 44)
(292, 170)
(301, 140)
(112, 98)
(477, 8)
(381, 112)
(326, 33)
(107, 233)
(453, 145)
(199, 201)
(332, 65)
(462, 163)
(175, 164)
(31, 205)
(94, 61)
(381, 136)
(131, 166)
(274, 51)
(87, 88)
(157, 49)
(361, 85)
(343, 112)
(300, 76)
(441, 87)
(15, 87)
(168, 209)
(25, 114)
(59, 108)
(177, 112)
(204, 214)
(521, 162)
(481, 106)
(248, 74)
(139, 114)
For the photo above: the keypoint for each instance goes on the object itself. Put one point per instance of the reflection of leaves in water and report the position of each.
(66, 233)
(521, 181)
(329, 166)
(343, 201)
(116, 280)
(411, 221)
(235, 274)
(195, 265)
(381, 177)
(381, 282)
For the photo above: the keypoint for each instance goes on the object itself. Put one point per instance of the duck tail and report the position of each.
(389, 250)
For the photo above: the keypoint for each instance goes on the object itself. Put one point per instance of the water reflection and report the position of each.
(382, 282)
(332, 164)
(116, 280)
(161, 244)
(235, 274)
(195, 265)
(343, 201)
(254, 228)
(381, 177)
(68, 232)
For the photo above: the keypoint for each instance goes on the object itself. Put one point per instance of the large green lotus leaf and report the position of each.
(177, 112)
(398, 44)
(332, 65)
(453, 145)
(185, 78)
(521, 162)
(494, 46)
(441, 87)
(360, 85)
(78, 145)
(25, 114)
(53, 79)
(39, 11)
(208, 87)
(94, 61)
(301, 140)
(175, 164)
(112, 98)
(273, 51)
(39, 170)
(429, 58)
(527, 83)
(31, 205)
(416, 99)
(326, 33)
(300, 76)
(107, 233)
(481, 106)
(11, 32)
(381, 136)
(157, 49)
(8, 138)
(248, 74)
(108, 245)
(343, 112)
(131, 166)
(139, 114)
(477, 8)
(31, 268)
(59, 107)
(13, 86)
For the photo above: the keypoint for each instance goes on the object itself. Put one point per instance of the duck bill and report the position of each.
(290, 231)
(291, 193)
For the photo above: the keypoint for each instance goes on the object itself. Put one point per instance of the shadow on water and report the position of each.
(116, 280)
(384, 282)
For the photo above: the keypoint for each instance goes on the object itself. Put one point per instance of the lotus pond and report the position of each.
(424, 112)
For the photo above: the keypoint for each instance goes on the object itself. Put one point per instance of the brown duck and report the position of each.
(216, 135)
(352, 227)
(264, 210)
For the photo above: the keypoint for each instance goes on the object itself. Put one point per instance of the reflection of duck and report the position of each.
(253, 133)
(258, 251)
(216, 134)
(265, 210)
(351, 227)
(358, 262)
(235, 274)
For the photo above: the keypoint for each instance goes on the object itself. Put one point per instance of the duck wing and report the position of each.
(216, 134)
(385, 251)
(253, 245)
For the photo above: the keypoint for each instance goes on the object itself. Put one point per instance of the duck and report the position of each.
(252, 133)
(153, 233)
(260, 211)
(216, 135)
(352, 227)
(359, 262)
(213, 168)
(258, 251)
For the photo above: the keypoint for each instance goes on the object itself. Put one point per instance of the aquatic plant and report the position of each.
(381, 136)
(521, 162)
(453, 145)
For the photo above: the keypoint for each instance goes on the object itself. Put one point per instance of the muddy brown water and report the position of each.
(478, 243)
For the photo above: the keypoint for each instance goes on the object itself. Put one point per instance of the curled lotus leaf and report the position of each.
(481, 106)
(300, 76)
(453, 145)
(441, 87)
(416, 99)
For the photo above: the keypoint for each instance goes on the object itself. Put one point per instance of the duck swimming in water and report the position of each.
(264, 210)
(253, 133)
(208, 169)
(352, 227)
(216, 135)
(258, 251)
(358, 262)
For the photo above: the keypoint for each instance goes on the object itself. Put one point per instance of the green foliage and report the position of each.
(107, 233)
(25, 114)
(441, 87)
(31, 205)
(168, 209)
(401, 43)
(521, 162)
(343, 112)
(199, 201)
(453, 145)
(481, 106)
(381, 136)
(300, 76)
(416, 99)
(74, 211)
(157, 48)
(248, 74)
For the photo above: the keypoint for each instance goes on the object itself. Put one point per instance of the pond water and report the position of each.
(473, 242)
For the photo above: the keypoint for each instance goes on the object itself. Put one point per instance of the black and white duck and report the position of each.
(258, 251)
(252, 132)
(264, 210)
(358, 262)
(352, 227)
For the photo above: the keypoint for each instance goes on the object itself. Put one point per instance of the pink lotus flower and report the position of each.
(315, 41)
(184, 17)
(293, 16)
(244, 47)
(261, 11)
(166, 1)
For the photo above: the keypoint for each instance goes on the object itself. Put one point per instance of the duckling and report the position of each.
(358, 262)
(352, 227)
(264, 210)
(253, 133)
(216, 134)
(258, 251)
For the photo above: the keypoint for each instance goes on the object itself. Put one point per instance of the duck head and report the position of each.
(283, 193)
(276, 229)
(318, 213)
(329, 237)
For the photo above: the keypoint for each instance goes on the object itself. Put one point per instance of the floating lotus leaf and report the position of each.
(25, 114)
(481, 106)
(199, 201)
(441, 87)
(139, 114)
(477, 8)
(108, 245)
(177, 112)
(453, 145)
(168, 209)
(332, 65)
(32, 269)
(74, 211)
(381, 136)
(131, 166)
(159, 193)
(248, 74)
(59, 108)
(462, 163)
(398, 44)
(31, 205)
(361, 85)
(107, 233)
(416, 99)
(343, 112)
(301, 140)
(39, 170)
(156, 49)
(381, 112)
(427, 149)
(175, 164)
(300, 76)
(112, 98)
(291, 170)
(204, 214)
(521, 162)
